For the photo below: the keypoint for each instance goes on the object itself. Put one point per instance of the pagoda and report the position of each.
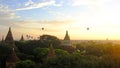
(66, 44)
(66, 41)
(9, 39)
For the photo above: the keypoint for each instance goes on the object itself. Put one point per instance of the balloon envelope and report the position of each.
(87, 28)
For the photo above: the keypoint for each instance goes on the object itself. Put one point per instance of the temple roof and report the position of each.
(67, 36)
(51, 52)
(9, 37)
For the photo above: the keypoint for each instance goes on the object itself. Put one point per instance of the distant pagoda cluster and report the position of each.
(13, 59)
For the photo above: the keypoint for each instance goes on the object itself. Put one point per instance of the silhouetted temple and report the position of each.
(22, 38)
(12, 58)
(51, 52)
(66, 41)
(66, 44)
(9, 37)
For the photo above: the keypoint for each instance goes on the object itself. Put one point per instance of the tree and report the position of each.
(46, 40)
(60, 52)
(5, 51)
(40, 54)
(27, 47)
(25, 64)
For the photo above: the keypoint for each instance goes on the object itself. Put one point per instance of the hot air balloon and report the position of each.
(88, 28)
(42, 28)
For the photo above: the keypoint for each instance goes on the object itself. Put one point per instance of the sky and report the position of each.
(28, 17)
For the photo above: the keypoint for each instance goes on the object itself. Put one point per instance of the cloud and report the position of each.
(39, 23)
(31, 5)
(88, 2)
(30, 2)
(59, 15)
(6, 13)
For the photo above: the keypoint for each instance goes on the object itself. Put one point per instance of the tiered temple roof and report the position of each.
(9, 37)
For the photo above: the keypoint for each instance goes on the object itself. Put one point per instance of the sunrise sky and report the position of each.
(102, 17)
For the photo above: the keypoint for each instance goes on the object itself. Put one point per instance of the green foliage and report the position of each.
(5, 50)
(40, 54)
(23, 56)
(25, 64)
(91, 54)
(46, 40)
(27, 47)
(80, 47)
(60, 52)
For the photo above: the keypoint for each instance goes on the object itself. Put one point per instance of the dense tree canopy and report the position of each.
(46, 40)
(33, 54)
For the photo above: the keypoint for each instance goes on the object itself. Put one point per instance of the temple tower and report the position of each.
(9, 37)
(66, 41)
(66, 44)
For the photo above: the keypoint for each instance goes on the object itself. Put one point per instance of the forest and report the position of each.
(33, 54)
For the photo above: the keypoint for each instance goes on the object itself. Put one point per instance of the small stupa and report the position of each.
(51, 53)
(22, 38)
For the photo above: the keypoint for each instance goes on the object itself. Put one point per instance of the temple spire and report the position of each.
(22, 38)
(9, 37)
(3, 41)
(67, 36)
(51, 52)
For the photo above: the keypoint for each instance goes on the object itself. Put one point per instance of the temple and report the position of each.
(66, 41)
(12, 59)
(9, 37)
(66, 44)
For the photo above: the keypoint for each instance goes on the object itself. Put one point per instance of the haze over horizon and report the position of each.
(28, 17)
